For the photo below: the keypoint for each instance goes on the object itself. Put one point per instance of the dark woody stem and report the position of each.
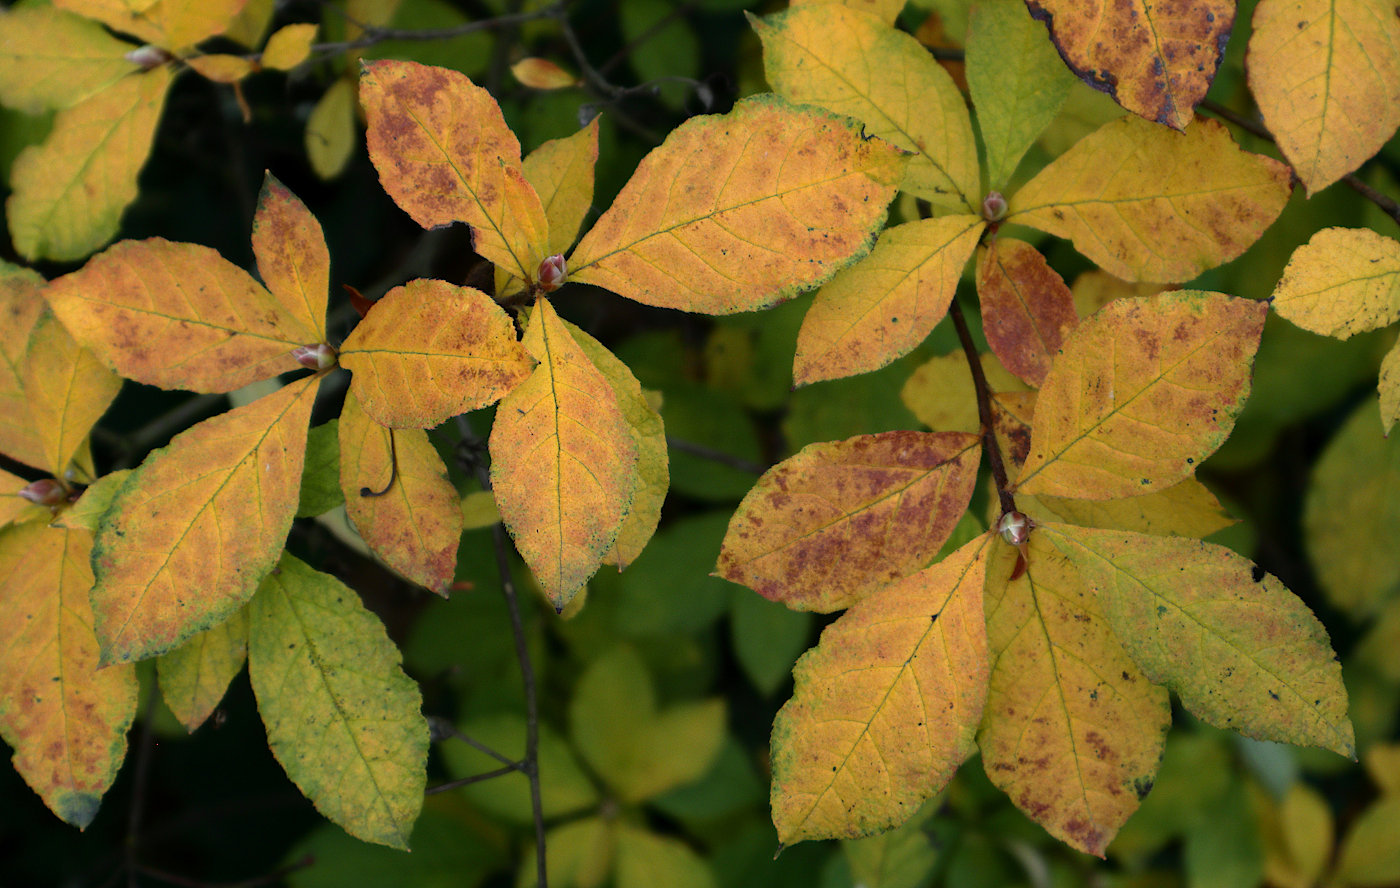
(984, 409)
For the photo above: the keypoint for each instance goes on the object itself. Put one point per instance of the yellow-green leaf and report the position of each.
(645, 860)
(399, 498)
(21, 306)
(1072, 731)
(827, 527)
(172, 24)
(884, 10)
(194, 676)
(563, 461)
(288, 47)
(87, 512)
(1342, 281)
(538, 73)
(1299, 842)
(330, 130)
(1370, 854)
(1187, 509)
(784, 198)
(195, 529)
(1149, 204)
(1027, 311)
(445, 155)
(883, 306)
(65, 718)
(1390, 388)
(341, 716)
(428, 351)
(68, 390)
(940, 393)
(1242, 653)
(15, 508)
(561, 172)
(124, 16)
(222, 68)
(251, 23)
(292, 260)
(70, 191)
(1141, 393)
(178, 315)
(850, 62)
(1326, 76)
(52, 59)
(886, 707)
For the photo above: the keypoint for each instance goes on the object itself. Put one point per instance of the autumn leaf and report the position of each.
(884, 10)
(288, 47)
(173, 24)
(941, 394)
(823, 529)
(885, 708)
(1342, 281)
(1326, 77)
(1114, 421)
(543, 74)
(561, 172)
(1390, 389)
(53, 59)
(293, 260)
(342, 718)
(67, 390)
(194, 676)
(1186, 509)
(785, 197)
(1145, 203)
(1027, 311)
(330, 130)
(21, 306)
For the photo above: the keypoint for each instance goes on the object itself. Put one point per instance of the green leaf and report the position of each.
(320, 477)
(767, 638)
(194, 676)
(645, 860)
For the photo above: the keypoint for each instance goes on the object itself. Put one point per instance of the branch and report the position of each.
(984, 409)
(719, 456)
(475, 778)
(441, 729)
(374, 34)
(276, 876)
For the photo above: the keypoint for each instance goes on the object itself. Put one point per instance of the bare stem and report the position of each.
(475, 778)
(984, 409)
(719, 456)
(374, 34)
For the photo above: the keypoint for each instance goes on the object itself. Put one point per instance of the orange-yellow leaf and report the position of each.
(428, 351)
(194, 676)
(883, 306)
(850, 62)
(940, 393)
(70, 191)
(288, 47)
(1027, 311)
(1156, 59)
(1326, 76)
(445, 155)
(1342, 281)
(1072, 731)
(885, 10)
(1141, 393)
(177, 316)
(68, 390)
(825, 528)
(1240, 650)
(1149, 204)
(65, 718)
(250, 25)
(412, 515)
(886, 707)
(539, 73)
(563, 461)
(52, 59)
(173, 24)
(222, 68)
(561, 171)
(292, 260)
(1187, 509)
(195, 528)
(738, 211)
(21, 304)
(124, 16)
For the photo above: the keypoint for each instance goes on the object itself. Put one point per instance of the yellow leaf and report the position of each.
(1390, 388)
(124, 16)
(884, 10)
(542, 74)
(1145, 203)
(411, 516)
(65, 718)
(198, 525)
(883, 306)
(886, 707)
(172, 24)
(1298, 852)
(1187, 509)
(1370, 854)
(342, 718)
(51, 59)
(563, 461)
(1072, 731)
(561, 171)
(1156, 59)
(87, 512)
(1241, 653)
(178, 315)
(330, 130)
(251, 23)
(222, 68)
(445, 155)
(479, 510)
(288, 47)
(851, 63)
(70, 191)
(1383, 765)
(1141, 393)
(15, 509)
(1027, 311)
(1094, 289)
(292, 260)
(785, 197)
(646, 859)
(21, 305)
(825, 528)
(194, 676)
(68, 390)
(1326, 76)
(428, 351)
(1342, 281)
(940, 393)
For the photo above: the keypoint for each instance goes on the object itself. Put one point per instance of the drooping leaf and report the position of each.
(69, 192)
(222, 68)
(885, 708)
(21, 306)
(823, 529)
(785, 197)
(1027, 311)
(1326, 76)
(1242, 653)
(445, 154)
(1073, 731)
(561, 172)
(399, 498)
(1145, 203)
(194, 676)
(1390, 389)
(1186, 509)
(941, 394)
(173, 24)
(563, 461)
(320, 475)
(1156, 59)
(428, 351)
(53, 59)
(292, 260)
(342, 718)
(883, 306)
(330, 130)
(288, 47)
(1342, 281)
(65, 718)
(194, 530)
(850, 62)
(177, 315)
(1141, 393)
(68, 390)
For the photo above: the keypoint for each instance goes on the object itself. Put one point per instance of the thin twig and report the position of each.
(984, 409)
(373, 34)
(275, 876)
(475, 778)
(443, 728)
(719, 456)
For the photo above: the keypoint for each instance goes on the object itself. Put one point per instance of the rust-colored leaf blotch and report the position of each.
(824, 528)
(1026, 308)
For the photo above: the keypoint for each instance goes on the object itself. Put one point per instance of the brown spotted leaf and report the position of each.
(292, 258)
(1026, 308)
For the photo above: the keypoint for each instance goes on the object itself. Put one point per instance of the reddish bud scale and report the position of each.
(551, 274)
